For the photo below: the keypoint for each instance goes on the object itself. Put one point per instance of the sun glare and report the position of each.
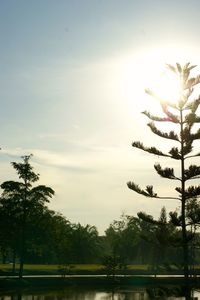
(149, 72)
(166, 86)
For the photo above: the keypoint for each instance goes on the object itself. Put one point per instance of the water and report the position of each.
(93, 294)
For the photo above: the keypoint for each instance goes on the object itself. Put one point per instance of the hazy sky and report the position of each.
(72, 78)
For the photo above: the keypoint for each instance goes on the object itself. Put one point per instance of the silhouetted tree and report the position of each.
(59, 232)
(25, 202)
(113, 265)
(85, 243)
(159, 236)
(183, 114)
(123, 238)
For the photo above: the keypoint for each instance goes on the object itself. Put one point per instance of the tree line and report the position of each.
(32, 233)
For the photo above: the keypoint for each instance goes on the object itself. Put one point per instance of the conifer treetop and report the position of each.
(183, 114)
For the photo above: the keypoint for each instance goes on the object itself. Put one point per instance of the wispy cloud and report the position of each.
(49, 158)
(72, 144)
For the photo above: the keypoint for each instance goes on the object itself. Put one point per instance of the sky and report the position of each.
(72, 80)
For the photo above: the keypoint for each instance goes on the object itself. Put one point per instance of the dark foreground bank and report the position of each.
(12, 283)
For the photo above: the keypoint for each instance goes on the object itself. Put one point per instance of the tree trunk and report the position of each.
(22, 249)
(183, 208)
(21, 263)
(3, 253)
(14, 261)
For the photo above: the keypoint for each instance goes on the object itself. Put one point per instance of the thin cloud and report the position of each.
(49, 158)
(86, 145)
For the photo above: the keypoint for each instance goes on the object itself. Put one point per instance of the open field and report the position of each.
(84, 269)
(6, 269)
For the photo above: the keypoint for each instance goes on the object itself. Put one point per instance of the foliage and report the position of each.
(114, 265)
(23, 204)
(123, 237)
(160, 238)
(85, 243)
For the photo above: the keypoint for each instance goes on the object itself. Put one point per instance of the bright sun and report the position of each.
(153, 74)
(166, 85)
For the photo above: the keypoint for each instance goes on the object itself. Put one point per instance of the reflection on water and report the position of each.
(84, 294)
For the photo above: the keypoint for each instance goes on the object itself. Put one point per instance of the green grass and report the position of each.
(75, 269)
(51, 269)
(79, 269)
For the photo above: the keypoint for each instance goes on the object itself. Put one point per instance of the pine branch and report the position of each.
(187, 68)
(157, 119)
(186, 135)
(149, 189)
(188, 139)
(182, 70)
(173, 118)
(177, 221)
(193, 105)
(191, 192)
(174, 153)
(151, 150)
(195, 155)
(147, 218)
(187, 148)
(191, 118)
(179, 190)
(166, 173)
(168, 198)
(192, 82)
(150, 219)
(196, 135)
(179, 68)
(193, 172)
(171, 135)
(185, 98)
(186, 71)
(171, 68)
(148, 192)
(194, 217)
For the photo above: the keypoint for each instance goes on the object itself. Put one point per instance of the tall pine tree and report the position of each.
(183, 114)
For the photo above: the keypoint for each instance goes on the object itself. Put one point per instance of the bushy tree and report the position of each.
(160, 236)
(183, 114)
(85, 244)
(23, 203)
(123, 238)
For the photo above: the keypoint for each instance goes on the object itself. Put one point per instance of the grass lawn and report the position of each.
(83, 269)
(74, 269)
(51, 269)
